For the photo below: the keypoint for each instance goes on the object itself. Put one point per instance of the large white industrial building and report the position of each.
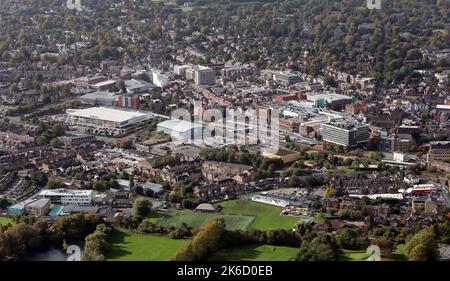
(109, 118)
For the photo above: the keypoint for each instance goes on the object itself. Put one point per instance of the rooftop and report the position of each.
(206, 207)
(153, 186)
(21, 205)
(80, 209)
(104, 113)
(397, 196)
(96, 95)
(65, 192)
(344, 124)
(179, 125)
(201, 67)
(136, 84)
(330, 97)
(40, 203)
(105, 83)
(443, 106)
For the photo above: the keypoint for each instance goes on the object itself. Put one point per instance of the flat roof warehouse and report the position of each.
(107, 114)
(179, 125)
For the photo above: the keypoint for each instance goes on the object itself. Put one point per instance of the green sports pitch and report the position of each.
(238, 214)
(4, 221)
(267, 217)
(129, 246)
(175, 218)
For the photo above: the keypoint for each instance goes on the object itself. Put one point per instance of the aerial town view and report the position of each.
(224, 130)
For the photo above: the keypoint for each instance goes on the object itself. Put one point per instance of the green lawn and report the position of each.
(187, 9)
(400, 252)
(345, 169)
(168, 218)
(352, 256)
(255, 253)
(319, 218)
(128, 246)
(4, 221)
(238, 214)
(400, 249)
(266, 216)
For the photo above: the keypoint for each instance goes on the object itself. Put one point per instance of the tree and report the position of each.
(149, 193)
(329, 192)
(54, 184)
(55, 142)
(124, 143)
(4, 203)
(99, 186)
(385, 245)
(422, 246)
(75, 227)
(97, 244)
(18, 239)
(120, 85)
(329, 81)
(294, 181)
(372, 155)
(418, 253)
(344, 214)
(208, 240)
(39, 178)
(138, 190)
(142, 207)
(57, 130)
(355, 165)
(131, 183)
(319, 249)
(350, 239)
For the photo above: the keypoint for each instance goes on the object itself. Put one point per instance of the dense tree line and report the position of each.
(311, 246)
(320, 248)
(97, 244)
(305, 34)
(421, 244)
(207, 241)
(30, 233)
(182, 232)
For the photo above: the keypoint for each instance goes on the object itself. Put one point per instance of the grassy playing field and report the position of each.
(187, 9)
(352, 256)
(266, 216)
(255, 253)
(4, 221)
(168, 218)
(128, 246)
(238, 214)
